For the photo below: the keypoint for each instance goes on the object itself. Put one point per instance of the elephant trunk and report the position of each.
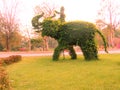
(35, 21)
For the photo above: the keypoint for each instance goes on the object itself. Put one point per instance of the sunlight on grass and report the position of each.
(41, 73)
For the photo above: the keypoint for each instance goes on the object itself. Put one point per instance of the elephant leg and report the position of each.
(72, 52)
(89, 50)
(57, 52)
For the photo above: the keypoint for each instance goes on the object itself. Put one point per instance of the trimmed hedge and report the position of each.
(11, 59)
(4, 80)
(74, 33)
(69, 34)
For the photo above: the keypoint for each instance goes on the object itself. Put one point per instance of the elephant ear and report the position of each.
(35, 21)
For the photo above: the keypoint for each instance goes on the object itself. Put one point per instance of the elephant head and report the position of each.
(48, 26)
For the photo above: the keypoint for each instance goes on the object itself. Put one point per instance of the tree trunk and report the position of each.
(7, 43)
(46, 47)
(29, 45)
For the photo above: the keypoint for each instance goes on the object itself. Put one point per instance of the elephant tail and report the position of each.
(104, 41)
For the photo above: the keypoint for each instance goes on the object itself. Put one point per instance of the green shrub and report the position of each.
(11, 59)
(70, 34)
(4, 80)
(74, 33)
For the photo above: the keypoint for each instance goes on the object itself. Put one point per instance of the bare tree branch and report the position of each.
(109, 17)
(8, 20)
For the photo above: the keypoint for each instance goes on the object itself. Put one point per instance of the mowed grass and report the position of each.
(41, 73)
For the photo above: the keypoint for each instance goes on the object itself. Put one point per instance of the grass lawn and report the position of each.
(41, 73)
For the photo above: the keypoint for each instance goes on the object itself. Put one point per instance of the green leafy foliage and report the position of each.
(68, 34)
(36, 42)
(78, 33)
(50, 27)
(4, 80)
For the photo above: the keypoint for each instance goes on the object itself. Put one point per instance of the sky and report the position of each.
(74, 9)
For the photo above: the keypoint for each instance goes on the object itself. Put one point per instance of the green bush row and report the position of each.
(4, 80)
(10, 59)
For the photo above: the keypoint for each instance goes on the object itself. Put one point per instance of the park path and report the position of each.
(47, 53)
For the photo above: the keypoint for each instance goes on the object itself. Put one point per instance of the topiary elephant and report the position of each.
(70, 34)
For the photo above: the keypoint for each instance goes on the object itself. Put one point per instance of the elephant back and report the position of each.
(80, 25)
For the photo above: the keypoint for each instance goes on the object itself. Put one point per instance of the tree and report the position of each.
(36, 43)
(28, 34)
(49, 11)
(15, 41)
(8, 21)
(46, 8)
(109, 19)
(62, 14)
(1, 42)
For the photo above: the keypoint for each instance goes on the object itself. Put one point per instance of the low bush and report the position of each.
(11, 59)
(4, 80)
